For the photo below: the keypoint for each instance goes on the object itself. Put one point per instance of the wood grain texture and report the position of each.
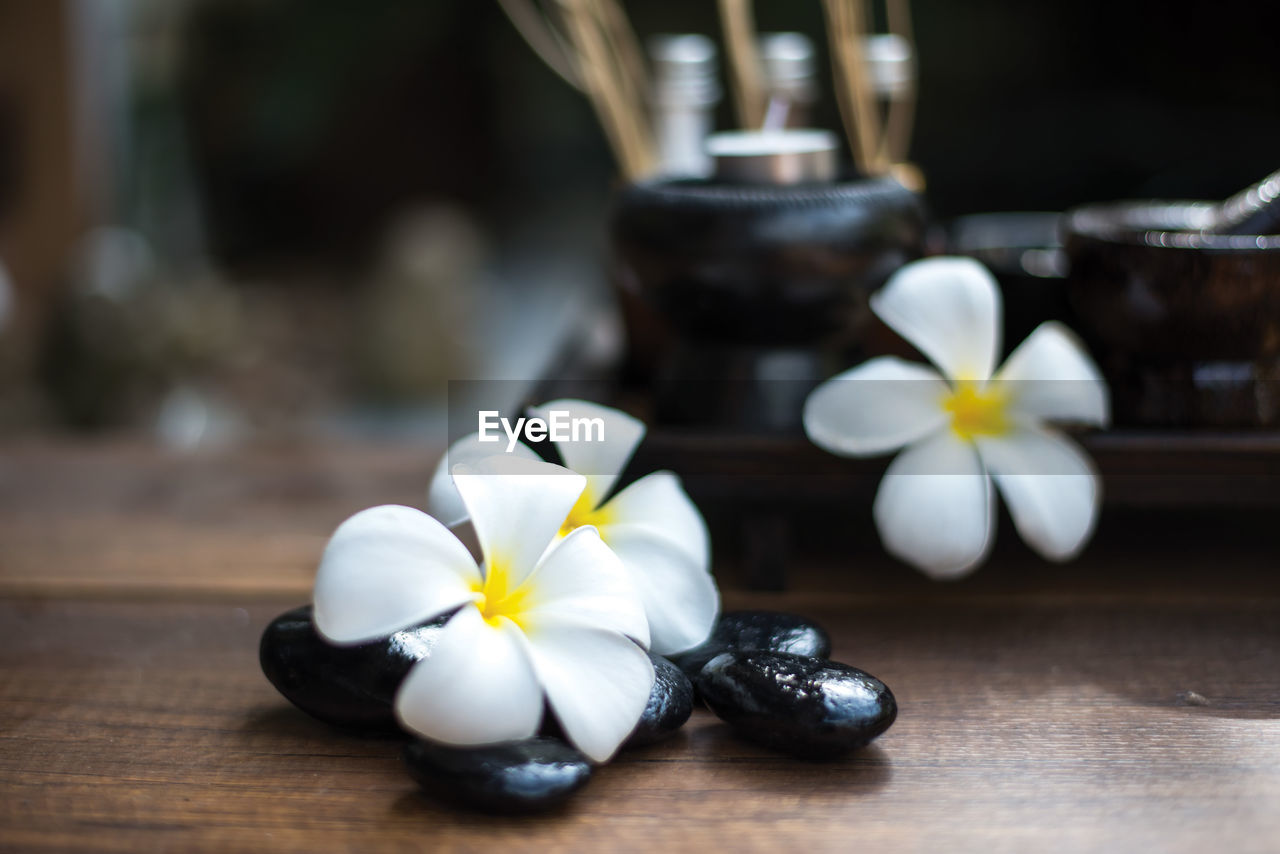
(131, 727)
(125, 519)
(1127, 702)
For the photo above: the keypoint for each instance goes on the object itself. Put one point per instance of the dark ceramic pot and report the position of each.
(1186, 324)
(761, 290)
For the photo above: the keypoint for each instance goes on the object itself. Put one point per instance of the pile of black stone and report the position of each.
(766, 674)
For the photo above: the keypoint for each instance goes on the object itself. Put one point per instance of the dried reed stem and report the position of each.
(900, 117)
(615, 99)
(622, 40)
(845, 31)
(744, 61)
(542, 37)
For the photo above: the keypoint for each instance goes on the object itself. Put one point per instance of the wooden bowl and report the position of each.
(1186, 324)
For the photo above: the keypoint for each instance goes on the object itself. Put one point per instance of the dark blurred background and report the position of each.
(224, 217)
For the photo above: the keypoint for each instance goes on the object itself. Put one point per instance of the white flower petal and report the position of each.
(443, 500)
(386, 568)
(935, 508)
(680, 596)
(660, 502)
(581, 578)
(1049, 485)
(949, 308)
(600, 461)
(881, 405)
(597, 682)
(1051, 376)
(478, 686)
(517, 507)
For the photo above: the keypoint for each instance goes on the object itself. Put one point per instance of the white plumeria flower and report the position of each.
(935, 507)
(652, 525)
(562, 623)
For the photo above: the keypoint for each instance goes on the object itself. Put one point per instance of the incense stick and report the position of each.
(622, 39)
(598, 53)
(542, 38)
(900, 117)
(616, 103)
(744, 61)
(845, 31)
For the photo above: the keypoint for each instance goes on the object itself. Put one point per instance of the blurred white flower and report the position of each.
(967, 427)
(562, 623)
(652, 525)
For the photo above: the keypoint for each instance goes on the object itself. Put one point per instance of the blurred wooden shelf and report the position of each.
(1139, 468)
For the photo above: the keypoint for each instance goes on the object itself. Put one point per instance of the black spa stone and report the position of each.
(670, 704)
(348, 686)
(804, 706)
(514, 777)
(749, 631)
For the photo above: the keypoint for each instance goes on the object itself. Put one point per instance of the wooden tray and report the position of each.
(761, 484)
(760, 488)
(1139, 468)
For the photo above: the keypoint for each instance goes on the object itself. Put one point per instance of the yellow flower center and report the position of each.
(495, 596)
(976, 411)
(585, 512)
(496, 599)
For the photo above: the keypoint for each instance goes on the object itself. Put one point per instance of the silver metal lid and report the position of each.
(774, 156)
(890, 64)
(684, 70)
(788, 61)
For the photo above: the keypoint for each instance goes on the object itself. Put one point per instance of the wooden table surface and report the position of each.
(1127, 702)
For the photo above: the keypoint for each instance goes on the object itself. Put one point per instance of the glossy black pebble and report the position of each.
(670, 704)
(515, 777)
(804, 706)
(348, 686)
(748, 631)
